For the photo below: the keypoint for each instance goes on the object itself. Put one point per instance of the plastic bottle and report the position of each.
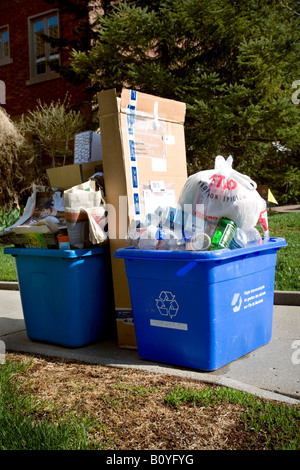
(198, 242)
(263, 220)
(239, 240)
(135, 229)
(151, 219)
(132, 238)
(169, 240)
(148, 238)
(253, 236)
(244, 237)
(210, 228)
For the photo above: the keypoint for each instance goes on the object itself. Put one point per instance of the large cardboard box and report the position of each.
(144, 165)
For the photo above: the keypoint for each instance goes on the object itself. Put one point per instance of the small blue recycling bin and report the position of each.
(201, 310)
(66, 295)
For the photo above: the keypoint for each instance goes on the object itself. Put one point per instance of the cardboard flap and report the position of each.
(64, 177)
(108, 103)
(154, 106)
(149, 105)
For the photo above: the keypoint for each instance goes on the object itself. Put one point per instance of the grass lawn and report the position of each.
(49, 404)
(8, 270)
(287, 274)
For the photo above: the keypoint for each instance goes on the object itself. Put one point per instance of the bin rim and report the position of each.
(202, 256)
(55, 253)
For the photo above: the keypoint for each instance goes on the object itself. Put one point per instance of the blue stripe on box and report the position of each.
(134, 177)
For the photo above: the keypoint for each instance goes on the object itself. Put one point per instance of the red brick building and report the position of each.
(26, 59)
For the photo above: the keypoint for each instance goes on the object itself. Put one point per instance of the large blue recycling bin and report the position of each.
(66, 295)
(201, 310)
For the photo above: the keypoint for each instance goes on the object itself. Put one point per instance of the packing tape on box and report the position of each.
(132, 152)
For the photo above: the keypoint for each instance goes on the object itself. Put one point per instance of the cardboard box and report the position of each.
(144, 164)
(65, 177)
(33, 240)
(63, 242)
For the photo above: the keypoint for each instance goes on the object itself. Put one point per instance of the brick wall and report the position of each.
(21, 97)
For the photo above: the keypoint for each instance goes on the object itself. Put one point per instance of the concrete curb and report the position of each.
(9, 285)
(287, 298)
(280, 297)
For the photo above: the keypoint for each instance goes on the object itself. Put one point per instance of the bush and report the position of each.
(53, 127)
(18, 167)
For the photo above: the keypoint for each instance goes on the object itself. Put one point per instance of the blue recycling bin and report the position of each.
(201, 310)
(66, 295)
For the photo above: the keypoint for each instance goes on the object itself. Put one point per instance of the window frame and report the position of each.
(49, 74)
(6, 59)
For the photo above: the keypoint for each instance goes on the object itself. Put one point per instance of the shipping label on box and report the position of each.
(144, 162)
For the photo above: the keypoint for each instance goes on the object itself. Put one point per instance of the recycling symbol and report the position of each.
(167, 304)
(236, 302)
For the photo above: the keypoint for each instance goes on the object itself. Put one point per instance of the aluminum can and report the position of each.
(223, 235)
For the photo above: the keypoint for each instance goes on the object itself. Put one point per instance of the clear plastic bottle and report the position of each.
(135, 229)
(253, 236)
(198, 242)
(263, 220)
(245, 237)
(169, 240)
(151, 219)
(239, 240)
(132, 238)
(148, 238)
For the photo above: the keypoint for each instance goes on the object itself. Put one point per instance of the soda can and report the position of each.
(224, 234)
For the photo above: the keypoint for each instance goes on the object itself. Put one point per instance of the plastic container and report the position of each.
(201, 309)
(66, 295)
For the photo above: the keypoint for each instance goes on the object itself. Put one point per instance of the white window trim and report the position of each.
(38, 78)
(8, 59)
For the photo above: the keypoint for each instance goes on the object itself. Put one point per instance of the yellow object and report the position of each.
(271, 198)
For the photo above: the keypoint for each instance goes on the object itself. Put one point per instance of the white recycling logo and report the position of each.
(167, 304)
(236, 302)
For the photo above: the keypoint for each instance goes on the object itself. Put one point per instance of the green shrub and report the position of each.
(53, 127)
(18, 169)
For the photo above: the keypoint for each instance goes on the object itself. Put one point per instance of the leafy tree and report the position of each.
(82, 29)
(234, 64)
(84, 34)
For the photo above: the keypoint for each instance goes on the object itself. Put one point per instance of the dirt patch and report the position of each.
(130, 408)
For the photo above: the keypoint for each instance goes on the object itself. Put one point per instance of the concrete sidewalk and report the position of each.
(271, 371)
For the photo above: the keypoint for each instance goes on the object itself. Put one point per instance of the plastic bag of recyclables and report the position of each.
(218, 208)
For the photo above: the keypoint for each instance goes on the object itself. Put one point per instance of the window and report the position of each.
(43, 56)
(4, 45)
